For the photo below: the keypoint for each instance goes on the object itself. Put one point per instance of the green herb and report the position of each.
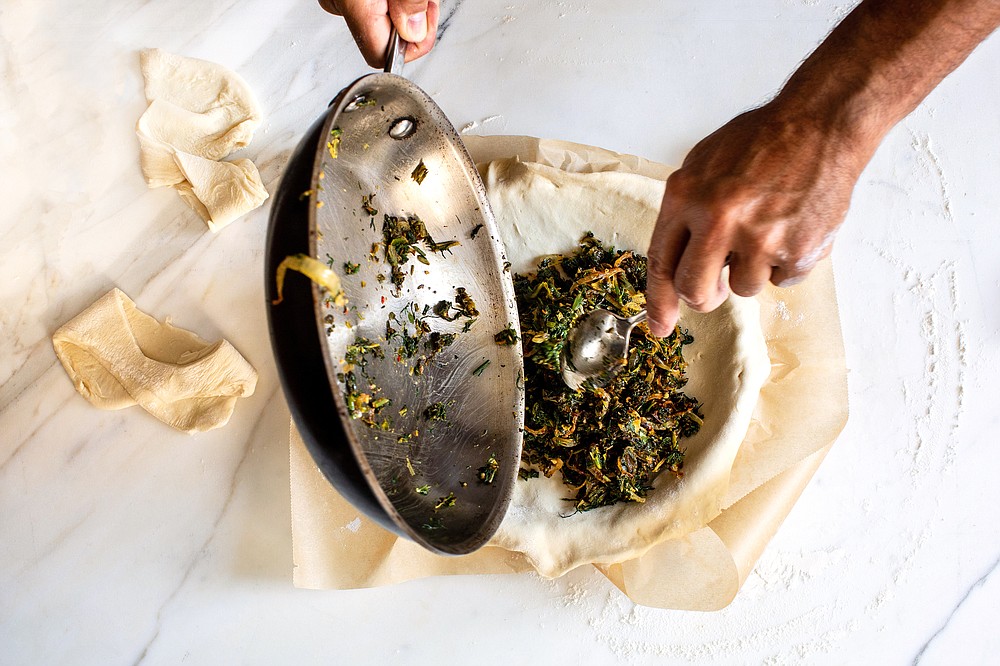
(433, 523)
(507, 336)
(410, 344)
(446, 502)
(438, 341)
(443, 246)
(525, 474)
(437, 411)
(608, 443)
(357, 353)
(482, 366)
(366, 205)
(351, 268)
(333, 145)
(464, 303)
(488, 472)
(423, 490)
(401, 236)
(419, 172)
(442, 309)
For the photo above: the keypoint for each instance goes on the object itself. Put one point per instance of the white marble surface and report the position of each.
(122, 541)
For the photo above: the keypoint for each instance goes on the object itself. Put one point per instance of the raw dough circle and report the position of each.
(542, 210)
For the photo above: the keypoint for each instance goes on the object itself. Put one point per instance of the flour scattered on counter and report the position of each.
(937, 396)
(575, 595)
(788, 570)
(929, 160)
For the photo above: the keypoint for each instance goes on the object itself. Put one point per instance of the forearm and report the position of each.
(880, 62)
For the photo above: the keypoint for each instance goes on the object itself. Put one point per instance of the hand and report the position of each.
(369, 22)
(764, 194)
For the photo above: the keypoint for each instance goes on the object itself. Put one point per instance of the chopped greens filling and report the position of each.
(488, 472)
(507, 336)
(608, 443)
(401, 237)
(445, 502)
(366, 205)
(333, 144)
(419, 173)
(437, 411)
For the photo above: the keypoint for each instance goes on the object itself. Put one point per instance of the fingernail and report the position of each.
(416, 25)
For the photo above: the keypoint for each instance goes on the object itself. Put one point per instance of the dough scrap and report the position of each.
(118, 356)
(542, 210)
(219, 191)
(199, 111)
(196, 106)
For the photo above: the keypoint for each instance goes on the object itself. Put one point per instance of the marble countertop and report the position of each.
(123, 541)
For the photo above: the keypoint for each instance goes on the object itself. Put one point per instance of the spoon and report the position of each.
(596, 348)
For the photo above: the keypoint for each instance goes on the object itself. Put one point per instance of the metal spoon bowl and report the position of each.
(596, 348)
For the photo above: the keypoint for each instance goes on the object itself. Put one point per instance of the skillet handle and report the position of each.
(395, 55)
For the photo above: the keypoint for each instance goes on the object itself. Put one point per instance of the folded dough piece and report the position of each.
(197, 106)
(219, 191)
(542, 210)
(199, 112)
(118, 356)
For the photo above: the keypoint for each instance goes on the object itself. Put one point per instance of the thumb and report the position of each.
(410, 19)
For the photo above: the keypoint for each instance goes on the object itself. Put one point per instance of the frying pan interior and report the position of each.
(437, 461)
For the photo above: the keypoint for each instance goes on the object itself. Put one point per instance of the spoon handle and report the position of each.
(395, 53)
(636, 318)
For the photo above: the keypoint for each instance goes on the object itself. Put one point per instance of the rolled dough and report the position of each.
(542, 210)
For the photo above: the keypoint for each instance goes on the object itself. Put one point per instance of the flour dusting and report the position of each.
(928, 158)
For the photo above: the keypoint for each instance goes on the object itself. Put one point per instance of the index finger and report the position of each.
(368, 21)
(666, 246)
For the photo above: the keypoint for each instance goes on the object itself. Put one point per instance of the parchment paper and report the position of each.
(802, 409)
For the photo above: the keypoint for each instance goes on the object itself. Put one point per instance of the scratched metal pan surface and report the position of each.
(448, 416)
